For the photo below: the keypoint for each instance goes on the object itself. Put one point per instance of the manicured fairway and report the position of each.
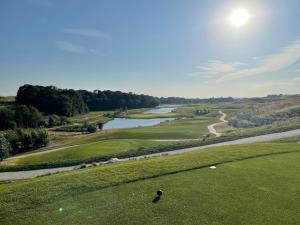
(181, 129)
(252, 184)
(94, 151)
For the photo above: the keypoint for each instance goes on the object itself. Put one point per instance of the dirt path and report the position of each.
(212, 128)
(6, 176)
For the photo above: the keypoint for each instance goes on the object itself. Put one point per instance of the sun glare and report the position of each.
(239, 17)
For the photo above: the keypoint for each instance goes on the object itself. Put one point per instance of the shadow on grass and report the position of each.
(156, 199)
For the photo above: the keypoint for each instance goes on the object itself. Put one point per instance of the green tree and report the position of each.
(7, 119)
(5, 147)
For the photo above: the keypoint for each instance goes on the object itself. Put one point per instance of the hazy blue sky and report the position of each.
(158, 47)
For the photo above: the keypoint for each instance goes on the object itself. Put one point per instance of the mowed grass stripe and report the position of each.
(23, 195)
(89, 152)
(262, 190)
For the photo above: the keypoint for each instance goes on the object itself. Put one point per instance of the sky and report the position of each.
(184, 48)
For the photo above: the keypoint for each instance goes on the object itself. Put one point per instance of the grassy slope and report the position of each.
(89, 152)
(235, 193)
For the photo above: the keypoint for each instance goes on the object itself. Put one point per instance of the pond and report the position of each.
(159, 110)
(129, 123)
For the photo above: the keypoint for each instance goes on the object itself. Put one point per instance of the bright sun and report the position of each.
(239, 17)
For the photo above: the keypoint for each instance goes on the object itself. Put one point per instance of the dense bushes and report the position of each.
(55, 120)
(22, 140)
(246, 120)
(20, 117)
(85, 128)
(200, 112)
(286, 114)
(5, 147)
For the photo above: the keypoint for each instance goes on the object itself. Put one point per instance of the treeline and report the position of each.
(21, 140)
(180, 100)
(68, 102)
(52, 100)
(109, 100)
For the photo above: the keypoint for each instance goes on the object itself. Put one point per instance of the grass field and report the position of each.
(126, 142)
(136, 141)
(104, 145)
(94, 151)
(252, 184)
(181, 129)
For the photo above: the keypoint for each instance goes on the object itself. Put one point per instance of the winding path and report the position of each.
(212, 128)
(6, 176)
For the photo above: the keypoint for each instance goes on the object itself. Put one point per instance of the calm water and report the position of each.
(129, 123)
(159, 110)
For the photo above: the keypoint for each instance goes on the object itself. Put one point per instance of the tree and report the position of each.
(5, 147)
(52, 100)
(27, 116)
(68, 102)
(7, 119)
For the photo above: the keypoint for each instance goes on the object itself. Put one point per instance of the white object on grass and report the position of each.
(112, 160)
(212, 167)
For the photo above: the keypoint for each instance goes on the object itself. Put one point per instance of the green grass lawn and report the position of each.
(102, 150)
(253, 184)
(132, 141)
(116, 144)
(177, 129)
